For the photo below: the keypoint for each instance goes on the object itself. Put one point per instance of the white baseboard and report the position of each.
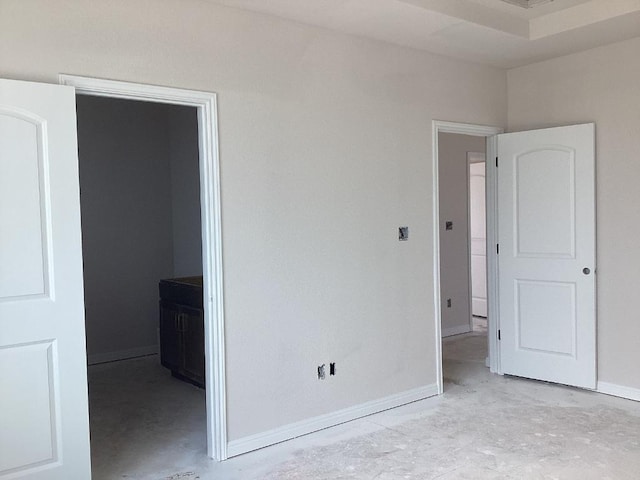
(122, 354)
(619, 391)
(448, 332)
(293, 430)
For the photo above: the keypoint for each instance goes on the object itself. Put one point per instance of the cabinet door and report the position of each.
(169, 336)
(192, 326)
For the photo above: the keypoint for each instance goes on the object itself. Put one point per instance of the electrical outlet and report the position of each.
(448, 303)
(321, 373)
(403, 234)
(448, 225)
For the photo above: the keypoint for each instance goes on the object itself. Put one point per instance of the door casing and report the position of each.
(489, 133)
(206, 106)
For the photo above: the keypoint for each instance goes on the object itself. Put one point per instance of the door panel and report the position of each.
(43, 378)
(546, 231)
(543, 307)
(544, 193)
(23, 256)
(32, 386)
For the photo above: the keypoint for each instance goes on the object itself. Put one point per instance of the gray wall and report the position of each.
(454, 244)
(128, 152)
(185, 191)
(602, 86)
(325, 151)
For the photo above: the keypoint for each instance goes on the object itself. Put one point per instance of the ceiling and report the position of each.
(534, 12)
(485, 31)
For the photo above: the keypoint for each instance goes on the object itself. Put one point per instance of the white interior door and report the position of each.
(546, 235)
(478, 233)
(44, 431)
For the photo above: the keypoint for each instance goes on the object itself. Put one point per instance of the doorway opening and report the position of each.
(201, 108)
(465, 320)
(141, 231)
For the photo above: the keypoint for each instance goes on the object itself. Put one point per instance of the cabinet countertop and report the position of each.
(194, 281)
(184, 291)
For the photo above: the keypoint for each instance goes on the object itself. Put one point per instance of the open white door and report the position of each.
(546, 235)
(478, 233)
(44, 423)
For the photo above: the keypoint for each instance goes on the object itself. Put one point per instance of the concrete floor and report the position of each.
(148, 426)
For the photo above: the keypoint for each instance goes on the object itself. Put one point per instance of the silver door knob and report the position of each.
(586, 271)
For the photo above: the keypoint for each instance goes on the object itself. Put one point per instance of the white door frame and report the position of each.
(492, 259)
(205, 103)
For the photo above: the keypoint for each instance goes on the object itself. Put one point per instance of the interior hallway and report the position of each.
(146, 425)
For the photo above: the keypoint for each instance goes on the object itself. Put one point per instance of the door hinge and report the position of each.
(497, 249)
(499, 337)
(496, 162)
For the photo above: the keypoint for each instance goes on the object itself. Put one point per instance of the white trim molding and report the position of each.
(493, 293)
(304, 427)
(492, 319)
(122, 354)
(619, 391)
(206, 105)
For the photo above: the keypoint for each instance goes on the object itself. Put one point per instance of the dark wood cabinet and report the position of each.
(170, 341)
(182, 328)
(191, 322)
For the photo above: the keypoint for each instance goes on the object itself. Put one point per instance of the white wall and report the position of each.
(185, 191)
(325, 143)
(454, 244)
(140, 216)
(602, 86)
(126, 222)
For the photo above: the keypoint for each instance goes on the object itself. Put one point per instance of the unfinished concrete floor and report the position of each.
(146, 425)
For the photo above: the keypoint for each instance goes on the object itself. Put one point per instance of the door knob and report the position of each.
(586, 271)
